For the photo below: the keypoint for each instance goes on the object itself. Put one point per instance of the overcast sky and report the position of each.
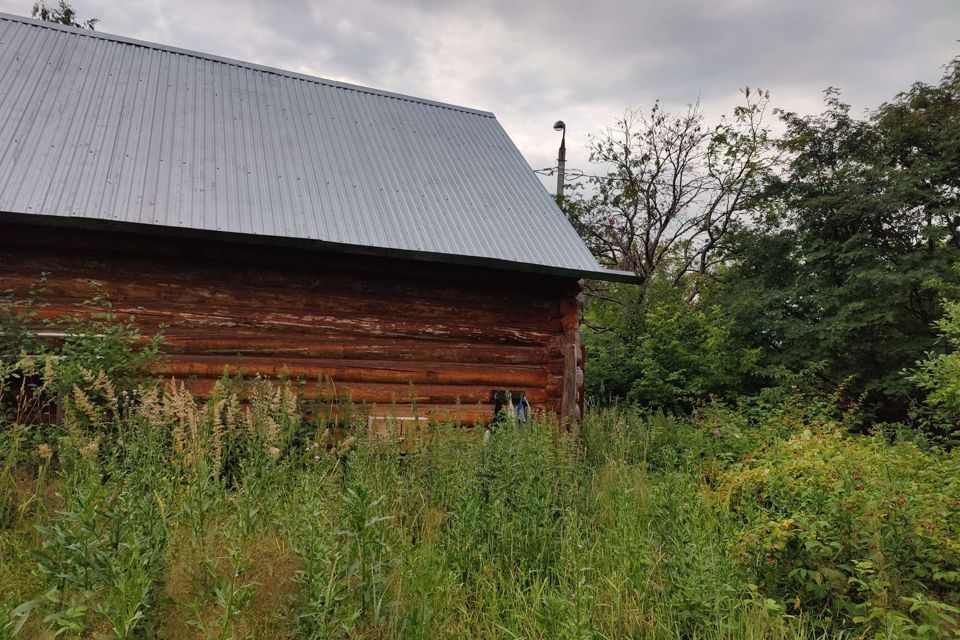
(583, 61)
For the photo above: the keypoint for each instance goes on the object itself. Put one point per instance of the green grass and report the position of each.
(199, 527)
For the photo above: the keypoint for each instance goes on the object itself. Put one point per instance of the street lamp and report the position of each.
(559, 125)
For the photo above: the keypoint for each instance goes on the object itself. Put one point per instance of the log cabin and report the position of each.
(397, 248)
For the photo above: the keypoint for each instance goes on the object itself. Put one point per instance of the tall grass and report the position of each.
(165, 518)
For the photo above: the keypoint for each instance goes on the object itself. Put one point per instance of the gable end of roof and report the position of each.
(109, 130)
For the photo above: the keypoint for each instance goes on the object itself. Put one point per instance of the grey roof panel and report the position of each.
(103, 128)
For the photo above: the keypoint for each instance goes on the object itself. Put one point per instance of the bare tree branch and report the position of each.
(673, 188)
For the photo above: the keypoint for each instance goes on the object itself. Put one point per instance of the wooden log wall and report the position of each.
(379, 331)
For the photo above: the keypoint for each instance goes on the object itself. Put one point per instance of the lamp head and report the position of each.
(559, 125)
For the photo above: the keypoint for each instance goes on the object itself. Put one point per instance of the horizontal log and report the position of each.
(236, 300)
(516, 376)
(434, 286)
(204, 320)
(327, 344)
(453, 414)
(358, 348)
(466, 412)
(385, 394)
(463, 414)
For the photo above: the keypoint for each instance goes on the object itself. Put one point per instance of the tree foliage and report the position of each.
(63, 13)
(837, 273)
(939, 374)
(816, 256)
(654, 347)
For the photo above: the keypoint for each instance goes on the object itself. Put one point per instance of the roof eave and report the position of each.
(96, 224)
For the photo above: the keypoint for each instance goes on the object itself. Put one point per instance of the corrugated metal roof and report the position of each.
(102, 128)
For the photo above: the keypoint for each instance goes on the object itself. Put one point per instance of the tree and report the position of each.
(817, 257)
(63, 13)
(939, 374)
(673, 188)
(662, 350)
(921, 151)
(669, 191)
(835, 273)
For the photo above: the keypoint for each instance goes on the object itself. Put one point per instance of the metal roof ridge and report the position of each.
(242, 64)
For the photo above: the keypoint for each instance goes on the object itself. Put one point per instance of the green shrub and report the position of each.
(851, 530)
(939, 376)
(100, 341)
(654, 347)
(96, 351)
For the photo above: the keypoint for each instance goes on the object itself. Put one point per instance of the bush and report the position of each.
(851, 530)
(939, 376)
(95, 344)
(100, 342)
(656, 349)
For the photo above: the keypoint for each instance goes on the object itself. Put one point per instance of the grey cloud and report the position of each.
(535, 61)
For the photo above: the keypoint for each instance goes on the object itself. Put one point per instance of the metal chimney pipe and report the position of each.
(559, 125)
